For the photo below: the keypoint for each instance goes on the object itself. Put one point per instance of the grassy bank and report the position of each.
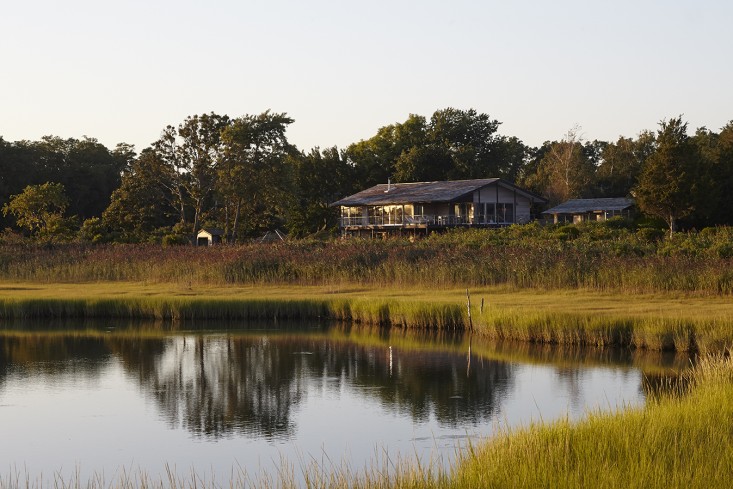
(581, 317)
(684, 441)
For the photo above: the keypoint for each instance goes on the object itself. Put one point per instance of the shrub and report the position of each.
(175, 240)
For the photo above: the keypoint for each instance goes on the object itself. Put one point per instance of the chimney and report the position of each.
(389, 185)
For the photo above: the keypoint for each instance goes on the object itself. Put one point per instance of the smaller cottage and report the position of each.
(209, 237)
(579, 210)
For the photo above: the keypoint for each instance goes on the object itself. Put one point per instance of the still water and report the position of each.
(101, 400)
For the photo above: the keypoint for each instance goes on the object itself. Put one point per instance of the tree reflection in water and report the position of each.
(217, 385)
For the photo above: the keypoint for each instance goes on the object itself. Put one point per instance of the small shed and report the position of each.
(579, 210)
(209, 237)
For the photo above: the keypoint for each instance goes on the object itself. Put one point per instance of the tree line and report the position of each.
(242, 175)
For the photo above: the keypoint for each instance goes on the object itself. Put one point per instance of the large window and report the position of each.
(505, 212)
(463, 212)
(385, 215)
(352, 216)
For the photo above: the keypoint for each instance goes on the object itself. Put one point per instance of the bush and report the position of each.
(175, 240)
(567, 233)
(651, 235)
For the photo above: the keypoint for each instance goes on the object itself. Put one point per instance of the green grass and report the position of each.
(672, 322)
(683, 441)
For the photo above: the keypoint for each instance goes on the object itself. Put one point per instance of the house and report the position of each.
(424, 206)
(579, 210)
(209, 237)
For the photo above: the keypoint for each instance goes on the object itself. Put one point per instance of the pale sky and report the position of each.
(121, 71)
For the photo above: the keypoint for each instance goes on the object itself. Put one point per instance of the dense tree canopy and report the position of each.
(89, 171)
(242, 175)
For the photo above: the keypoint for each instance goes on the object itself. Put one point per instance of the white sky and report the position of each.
(122, 70)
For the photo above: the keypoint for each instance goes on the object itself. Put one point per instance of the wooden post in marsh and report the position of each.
(468, 366)
(468, 306)
(481, 310)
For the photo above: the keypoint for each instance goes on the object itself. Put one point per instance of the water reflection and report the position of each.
(212, 396)
(215, 385)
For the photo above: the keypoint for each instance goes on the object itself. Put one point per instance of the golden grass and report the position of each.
(681, 441)
(582, 302)
(682, 322)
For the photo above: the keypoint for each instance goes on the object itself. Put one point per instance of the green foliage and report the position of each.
(592, 256)
(93, 230)
(319, 178)
(567, 232)
(40, 209)
(670, 185)
(650, 234)
(676, 441)
(454, 144)
(175, 240)
(253, 177)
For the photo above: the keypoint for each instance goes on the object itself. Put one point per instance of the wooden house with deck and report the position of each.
(425, 206)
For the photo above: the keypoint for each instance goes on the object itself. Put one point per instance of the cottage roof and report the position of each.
(580, 206)
(425, 192)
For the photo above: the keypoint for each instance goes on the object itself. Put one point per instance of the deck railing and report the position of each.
(408, 221)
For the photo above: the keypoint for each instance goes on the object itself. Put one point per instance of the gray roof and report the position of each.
(580, 206)
(426, 192)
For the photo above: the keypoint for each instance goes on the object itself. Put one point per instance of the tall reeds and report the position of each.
(680, 440)
(599, 258)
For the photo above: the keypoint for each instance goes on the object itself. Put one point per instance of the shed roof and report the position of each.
(580, 206)
(425, 192)
(211, 231)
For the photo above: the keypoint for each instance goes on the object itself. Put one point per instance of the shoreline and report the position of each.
(658, 322)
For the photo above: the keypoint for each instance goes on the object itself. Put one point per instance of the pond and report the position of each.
(218, 400)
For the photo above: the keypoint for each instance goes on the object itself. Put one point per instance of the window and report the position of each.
(505, 212)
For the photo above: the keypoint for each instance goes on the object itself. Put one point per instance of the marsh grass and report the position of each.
(660, 322)
(600, 257)
(683, 439)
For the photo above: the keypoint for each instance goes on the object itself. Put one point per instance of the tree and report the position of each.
(723, 171)
(668, 187)
(375, 159)
(319, 178)
(470, 140)
(513, 155)
(39, 208)
(145, 201)
(565, 171)
(621, 164)
(192, 152)
(453, 144)
(253, 177)
(87, 169)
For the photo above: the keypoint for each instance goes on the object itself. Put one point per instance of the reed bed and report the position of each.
(579, 318)
(382, 312)
(681, 440)
(682, 334)
(598, 257)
